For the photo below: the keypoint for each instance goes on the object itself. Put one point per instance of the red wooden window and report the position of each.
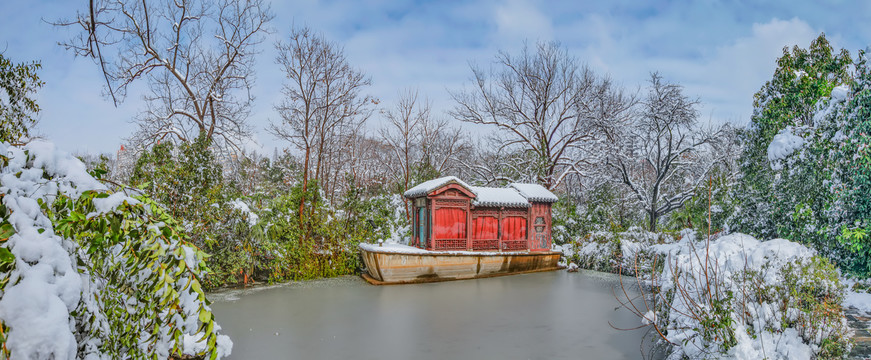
(450, 223)
(485, 227)
(514, 228)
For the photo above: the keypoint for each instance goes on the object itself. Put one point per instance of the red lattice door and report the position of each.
(449, 230)
(514, 233)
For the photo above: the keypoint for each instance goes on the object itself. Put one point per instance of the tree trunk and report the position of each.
(304, 193)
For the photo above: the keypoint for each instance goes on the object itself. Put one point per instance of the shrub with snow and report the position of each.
(616, 252)
(738, 297)
(90, 274)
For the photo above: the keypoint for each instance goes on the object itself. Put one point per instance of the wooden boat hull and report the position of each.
(408, 268)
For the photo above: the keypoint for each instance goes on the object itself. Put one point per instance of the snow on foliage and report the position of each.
(116, 283)
(741, 298)
(43, 287)
(783, 144)
(624, 252)
(840, 93)
(399, 230)
(238, 204)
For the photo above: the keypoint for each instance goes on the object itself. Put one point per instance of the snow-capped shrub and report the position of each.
(90, 274)
(737, 297)
(617, 252)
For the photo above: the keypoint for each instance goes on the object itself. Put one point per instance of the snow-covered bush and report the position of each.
(737, 297)
(86, 273)
(805, 167)
(617, 252)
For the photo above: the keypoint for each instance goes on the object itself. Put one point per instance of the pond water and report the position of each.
(550, 315)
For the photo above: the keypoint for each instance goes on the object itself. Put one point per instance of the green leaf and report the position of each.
(195, 286)
(205, 315)
(6, 231)
(6, 256)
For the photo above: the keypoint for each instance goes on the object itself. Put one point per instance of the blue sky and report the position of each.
(720, 51)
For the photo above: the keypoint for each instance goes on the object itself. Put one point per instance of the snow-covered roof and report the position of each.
(535, 192)
(508, 197)
(515, 195)
(428, 186)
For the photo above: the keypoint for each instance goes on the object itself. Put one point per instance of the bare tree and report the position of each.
(403, 135)
(546, 105)
(420, 144)
(323, 106)
(370, 165)
(664, 155)
(441, 146)
(196, 56)
(491, 163)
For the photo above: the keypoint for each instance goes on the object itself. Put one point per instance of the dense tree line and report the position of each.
(618, 158)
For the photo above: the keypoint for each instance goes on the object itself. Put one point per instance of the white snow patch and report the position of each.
(783, 144)
(839, 93)
(786, 345)
(858, 300)
(109, 204)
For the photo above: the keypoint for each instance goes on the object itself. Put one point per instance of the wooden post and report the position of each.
(530, 235)
(469, 225)
(431, 218)
(499, 226)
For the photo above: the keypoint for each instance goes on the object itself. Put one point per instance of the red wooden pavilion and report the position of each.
(451, 215)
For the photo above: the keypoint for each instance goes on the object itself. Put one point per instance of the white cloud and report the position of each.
(519, 19)
(722, 53)
(727, 79)
(723, 74)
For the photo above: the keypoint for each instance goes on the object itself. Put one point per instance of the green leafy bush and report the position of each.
(107, 275)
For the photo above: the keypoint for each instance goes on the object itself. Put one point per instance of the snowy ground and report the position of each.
(857, 306)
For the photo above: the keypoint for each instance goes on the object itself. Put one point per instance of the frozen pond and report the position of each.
(552, 315)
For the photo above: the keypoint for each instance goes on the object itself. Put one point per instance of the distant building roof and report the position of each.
(428, 186)
(535, 192)
(498, 197)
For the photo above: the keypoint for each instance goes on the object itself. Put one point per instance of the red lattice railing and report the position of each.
(450, 244)
(514, 245)
(485, 244)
